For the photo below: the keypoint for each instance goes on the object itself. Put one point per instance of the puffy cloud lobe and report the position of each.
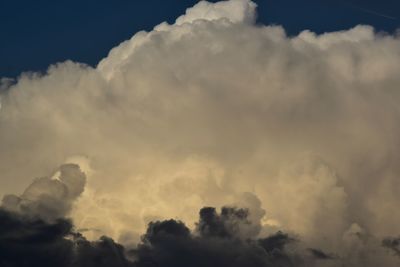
(236, 11)
(170, 243)
(228, 224)
(103, 252)
(49, 198)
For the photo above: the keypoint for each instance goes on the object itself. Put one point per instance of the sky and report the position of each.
(223, 134)
(40, 33)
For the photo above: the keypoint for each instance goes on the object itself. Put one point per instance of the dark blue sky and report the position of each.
(37, 33)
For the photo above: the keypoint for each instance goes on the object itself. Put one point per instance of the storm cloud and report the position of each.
(170, 243)
(27, 241)
(299, 132)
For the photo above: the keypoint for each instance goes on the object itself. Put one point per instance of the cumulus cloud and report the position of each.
(49, 198)
(170, 243)
(212, 110)
(29, 238)
(27, 241)
(226, 238)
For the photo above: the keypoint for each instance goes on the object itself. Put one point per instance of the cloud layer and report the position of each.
(302, 131)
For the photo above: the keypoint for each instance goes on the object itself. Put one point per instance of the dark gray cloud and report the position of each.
(49, 197)
(393, 244)
(34, 230)
(319, 254)
(170, 243)
(26, 241)
(216, 241)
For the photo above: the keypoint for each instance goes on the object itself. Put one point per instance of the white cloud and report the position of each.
(198, 112)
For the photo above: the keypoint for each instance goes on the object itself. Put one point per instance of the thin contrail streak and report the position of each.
(370, 11)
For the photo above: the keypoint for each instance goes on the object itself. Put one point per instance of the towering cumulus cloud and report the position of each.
(296, 136)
